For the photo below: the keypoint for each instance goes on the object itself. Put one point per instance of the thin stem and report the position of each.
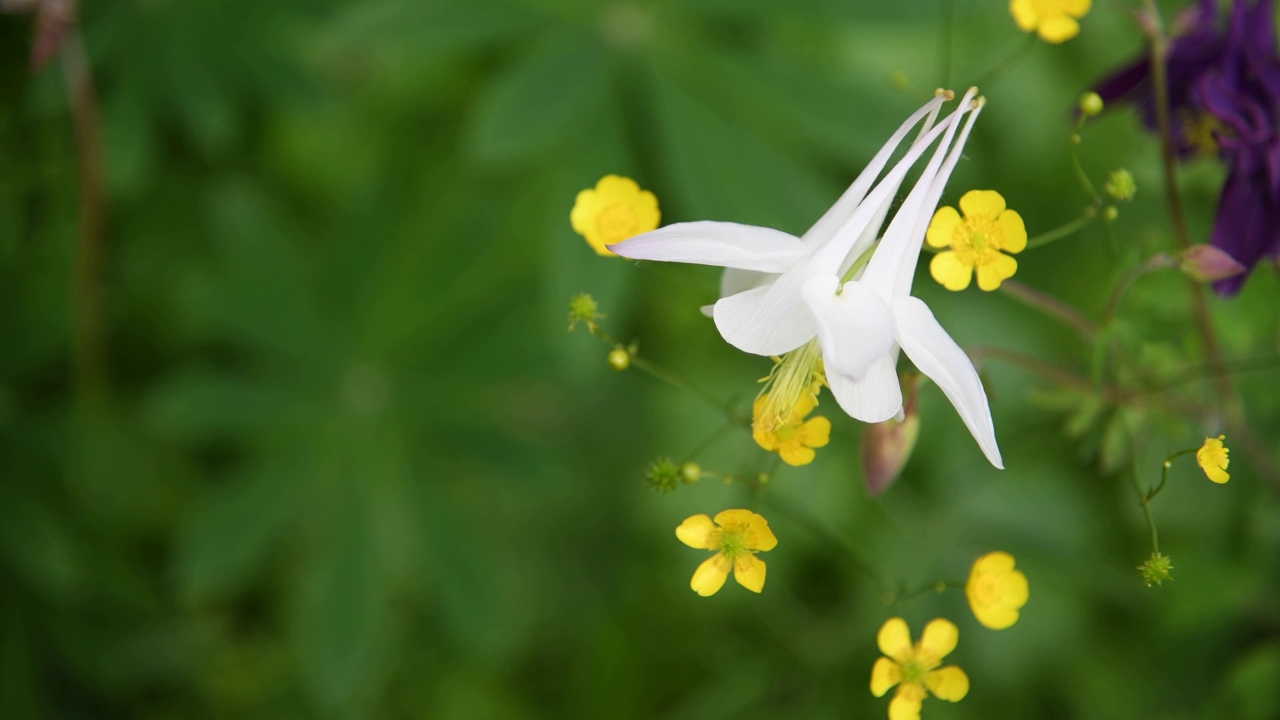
(1145, 503)
(678, 382)
(1164, 472)
(947, 29)
(715, 437)
(88, 295)
(987, 79)
(937, 587)
(1159, 261)
(1199, 307)
(1051, 306)
(825, 535)
(1067, 229)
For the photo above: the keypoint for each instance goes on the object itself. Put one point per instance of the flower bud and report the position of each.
(1091, 104)
(583, 309)
(1207, 263)
(887, 446)
(690, 473)
(619, 358)
(1156, 569)
(663, 475)
(1120, 185)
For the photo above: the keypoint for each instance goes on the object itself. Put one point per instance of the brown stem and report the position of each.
(88, 302)
(1051, 305)
(1199, 307)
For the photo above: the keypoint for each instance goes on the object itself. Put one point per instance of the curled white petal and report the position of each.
(875, 398)
(730, 245)
(855, 327)
(939, 357)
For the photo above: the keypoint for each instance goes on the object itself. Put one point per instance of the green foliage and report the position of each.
(348, 463)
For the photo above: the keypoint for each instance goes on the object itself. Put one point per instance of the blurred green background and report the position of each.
(349, 464)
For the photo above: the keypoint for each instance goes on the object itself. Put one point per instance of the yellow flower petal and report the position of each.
(613, 186)
(795, 454)
(1212, 458)
(948, 683)
(894, 640)
(1015, 589)
(1013, 233)
(994, 562)
(906, 703)
(943, 227)
(940, 637)
(696, 531)
(947, 269)
(884, 675)
(1058, 29)
(1024, 14)
(614, 210)
(804, 405)
(749, 571)
(759, 537)
(815, 433)
(1075, 8)
(710, 575)
(982, 203)
(991, 274)
(995, 617)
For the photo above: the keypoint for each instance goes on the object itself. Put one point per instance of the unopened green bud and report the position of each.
(1111, 213)
(1091, 104)
(663, 475)
(583, 309)
(1120, 185)
(619, 358)
(1156, 569)
(690, 473)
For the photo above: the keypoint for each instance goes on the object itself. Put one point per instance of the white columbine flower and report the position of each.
(807, 298)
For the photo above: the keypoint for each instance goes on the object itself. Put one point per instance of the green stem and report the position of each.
(715, 437)
(997, 71)
(1051, 306)
(1164, 472)
(678, 382)
(938, 587)
(1145, 502)
(825, 535)
(1199, 307)
(1064, 230)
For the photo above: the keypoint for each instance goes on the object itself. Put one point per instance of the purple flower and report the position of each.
(1224, 96)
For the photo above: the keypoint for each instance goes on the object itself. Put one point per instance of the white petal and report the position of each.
(875, 398)
(925, 213)
(768, 320)
(899, 240)
(833, 219)
(855, 327)
(732, 245)
(734, 281)
(830, 256)
(938, 356)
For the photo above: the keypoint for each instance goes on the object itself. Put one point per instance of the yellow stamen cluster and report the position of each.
(795, 376)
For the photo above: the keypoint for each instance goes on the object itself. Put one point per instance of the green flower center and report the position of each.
(914, 672)
(616, 221)
(977, 241)
(732, 541)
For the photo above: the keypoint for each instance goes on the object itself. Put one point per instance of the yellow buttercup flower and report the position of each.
(996, 591)
(736, 536)
(914, 669)
(793, 438)
(1053, 20)
(976, 241)
(1212, 457)
(615, 210)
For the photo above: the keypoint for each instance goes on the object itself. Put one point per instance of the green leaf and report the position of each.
(720, 171)
(541, 101)
(341, 632)
(232, 532)
(200, 404)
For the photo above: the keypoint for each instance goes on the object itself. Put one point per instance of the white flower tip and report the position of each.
(944, 93)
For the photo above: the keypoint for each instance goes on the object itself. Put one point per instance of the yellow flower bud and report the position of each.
(619, 358)
(1091, 104)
